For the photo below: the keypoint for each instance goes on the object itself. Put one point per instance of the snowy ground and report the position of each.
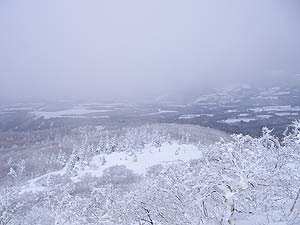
(141, 161)
(159, 111)
(276, 108)
(138, 162)
(191, 116)
(73, 112)
(238, 120)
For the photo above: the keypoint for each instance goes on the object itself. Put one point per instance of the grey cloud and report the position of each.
(129, 49)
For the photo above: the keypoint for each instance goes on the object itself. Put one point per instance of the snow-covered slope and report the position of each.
(139, 162)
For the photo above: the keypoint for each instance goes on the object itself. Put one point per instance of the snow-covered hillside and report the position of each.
(150, 175)
(138, 162)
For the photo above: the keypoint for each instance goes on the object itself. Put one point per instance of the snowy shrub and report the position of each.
(53, 179)
(118, 175)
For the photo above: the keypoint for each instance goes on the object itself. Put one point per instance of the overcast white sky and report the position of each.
(55, 49)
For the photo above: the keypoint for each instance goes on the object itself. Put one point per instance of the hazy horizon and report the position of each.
(63, 49)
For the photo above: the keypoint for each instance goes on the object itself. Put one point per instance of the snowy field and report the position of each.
(76, 112)
(138, 162)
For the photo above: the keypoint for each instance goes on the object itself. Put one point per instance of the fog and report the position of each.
(68, 49)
